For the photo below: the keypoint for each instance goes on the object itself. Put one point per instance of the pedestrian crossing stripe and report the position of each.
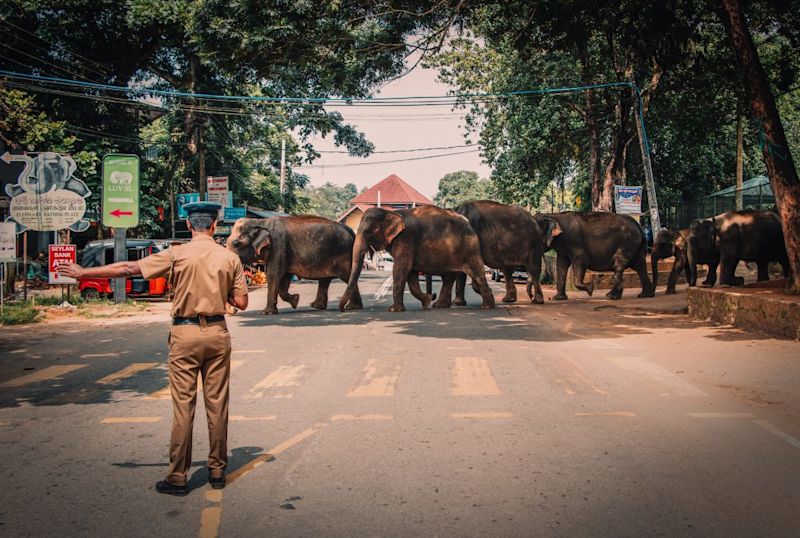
(128, 371)
(45, 374)
(379, 378)
(280, 383)
(471, 376)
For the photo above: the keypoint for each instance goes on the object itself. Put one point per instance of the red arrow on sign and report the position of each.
(118, 213)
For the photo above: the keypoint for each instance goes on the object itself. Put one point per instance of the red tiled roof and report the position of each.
(393, 191)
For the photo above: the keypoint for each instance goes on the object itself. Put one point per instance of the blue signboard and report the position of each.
(234, 213)
(186, 198)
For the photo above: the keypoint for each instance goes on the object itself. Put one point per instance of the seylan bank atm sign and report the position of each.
(120, 191)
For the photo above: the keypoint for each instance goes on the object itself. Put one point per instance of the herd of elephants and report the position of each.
(461, 242)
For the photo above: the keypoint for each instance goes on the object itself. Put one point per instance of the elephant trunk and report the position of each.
(360, 247)
(692, 263)
(654, 259)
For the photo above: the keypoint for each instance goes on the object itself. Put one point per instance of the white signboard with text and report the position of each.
(8, 242)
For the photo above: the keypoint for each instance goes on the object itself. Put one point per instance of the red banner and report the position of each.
(61, 255)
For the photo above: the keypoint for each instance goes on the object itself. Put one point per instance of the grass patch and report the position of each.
(104, 308)
(19, 314)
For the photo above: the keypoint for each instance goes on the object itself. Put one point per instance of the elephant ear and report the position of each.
(262, 239)
(551, 231)
(393, 226)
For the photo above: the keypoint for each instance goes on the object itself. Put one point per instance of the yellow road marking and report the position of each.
(281, 383)
(608, 414)
(98, 355)
(335, 418)
(471, 376)
(379, 379)
(243, 418)
(659, 375)
(720, 415)
(165, 394)
(569, 376)
(51, 372)
(129, 420)
(128, 371)
(211, 517)
(774, 430)
(498, 414)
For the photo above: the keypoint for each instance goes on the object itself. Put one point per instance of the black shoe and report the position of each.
(216, 482)
(163, 486)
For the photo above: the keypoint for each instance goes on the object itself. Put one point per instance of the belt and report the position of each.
(196, 320)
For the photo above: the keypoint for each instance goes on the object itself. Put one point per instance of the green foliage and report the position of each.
(456, 188)
(330, 200)
(19, 314)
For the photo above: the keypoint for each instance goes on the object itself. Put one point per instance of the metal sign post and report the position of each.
(649, 181)
(120, 206)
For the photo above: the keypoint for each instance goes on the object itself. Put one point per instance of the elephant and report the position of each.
(598, 241)
(702, 247)
(671, 244)
(509, 238)
(425, 239)
(750, 235)
(310, 247)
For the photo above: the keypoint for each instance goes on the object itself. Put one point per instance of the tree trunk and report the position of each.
(594, 151)
(739, 159)
(780, 166)
(615, 169)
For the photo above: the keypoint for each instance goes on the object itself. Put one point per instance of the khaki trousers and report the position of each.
(194, 350)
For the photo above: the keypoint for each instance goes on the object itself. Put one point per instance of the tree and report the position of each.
(330, 200)
(456, 188)
(775, 149)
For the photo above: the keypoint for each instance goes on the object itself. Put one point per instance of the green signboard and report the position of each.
(120, 191)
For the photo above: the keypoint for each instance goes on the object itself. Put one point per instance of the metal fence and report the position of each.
(681, 215)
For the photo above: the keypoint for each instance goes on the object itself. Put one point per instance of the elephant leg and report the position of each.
(648, 289)
(429, 286)
(321, 301)
(711, 277)
(273, 285)
(447, 288)
(728, 263)
(283, 292)
(511, 288)
(578, 273)
(534, 276)
(562, 266)
(677, 266)
(461, 285)
(763, 270)
(616, 285)
(416, 291)
(400, 272)
(475, 272)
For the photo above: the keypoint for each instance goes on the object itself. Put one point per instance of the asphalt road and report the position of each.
(579, 418)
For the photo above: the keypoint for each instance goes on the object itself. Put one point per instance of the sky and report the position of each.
(400, 128)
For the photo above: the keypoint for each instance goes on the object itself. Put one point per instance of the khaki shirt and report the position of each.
(204, 276)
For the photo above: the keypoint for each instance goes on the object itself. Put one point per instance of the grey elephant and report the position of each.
(310, 247)
(596, 241)
(748, 235)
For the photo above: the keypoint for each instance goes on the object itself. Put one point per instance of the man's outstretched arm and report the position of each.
(114, 270)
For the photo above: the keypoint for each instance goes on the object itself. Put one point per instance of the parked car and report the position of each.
(519, 274)
(101, 252)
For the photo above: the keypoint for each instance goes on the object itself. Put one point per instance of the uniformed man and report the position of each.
(206, 278)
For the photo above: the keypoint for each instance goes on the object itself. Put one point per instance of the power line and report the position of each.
(408, 150)
(372, 101)
(348, 165)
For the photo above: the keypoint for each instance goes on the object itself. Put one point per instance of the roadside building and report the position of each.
(390, 193)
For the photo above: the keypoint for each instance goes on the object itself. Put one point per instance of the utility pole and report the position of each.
(655, 221)
(201, 163)
(283, 175)
(739, 160)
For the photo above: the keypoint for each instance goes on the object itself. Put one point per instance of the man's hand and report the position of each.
(72, 270)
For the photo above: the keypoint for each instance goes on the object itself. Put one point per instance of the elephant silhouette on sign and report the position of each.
(50, 172)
